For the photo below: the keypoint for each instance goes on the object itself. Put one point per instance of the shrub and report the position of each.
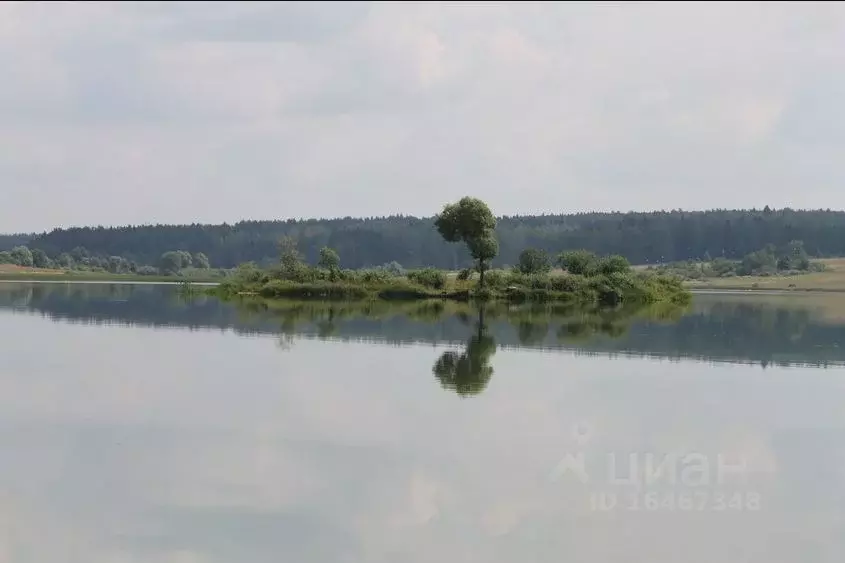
(147, 271)
(495, 278)
(428, 277)
(566, 283)
(613, 264)
(515, 278)
(538, 281)
(375, 276)
(466, 274)
(578, 262)
(534, 261)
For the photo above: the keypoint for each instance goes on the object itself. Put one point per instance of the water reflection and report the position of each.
(794, 330)
(468, 372)
(153, 446)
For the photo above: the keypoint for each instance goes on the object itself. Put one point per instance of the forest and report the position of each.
(641, 237)
(8, 242)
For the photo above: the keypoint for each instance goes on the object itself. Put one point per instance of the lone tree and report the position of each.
(470, 221)
(329, 260)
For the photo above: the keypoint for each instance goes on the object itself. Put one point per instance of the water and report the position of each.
(135, 427)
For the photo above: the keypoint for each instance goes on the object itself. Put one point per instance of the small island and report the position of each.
(575, 276)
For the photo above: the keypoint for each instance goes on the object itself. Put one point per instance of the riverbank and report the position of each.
(20, 274)
(831, 280)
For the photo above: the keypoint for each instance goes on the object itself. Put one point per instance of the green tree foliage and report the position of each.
(65, 260)
(201, 261)
(428, 277)
(614, 264)
(40, 259)
(658, 237)
(794, 257)
(483, 250)
(120, 265)
(534, 261)
(470, 221)
(8, 242)
(329, 259)
(22, 256)
(290, 259)
(767, 261)
(6, 257)
(578, 262)
(172, 262)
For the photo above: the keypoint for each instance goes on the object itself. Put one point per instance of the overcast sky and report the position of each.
(115, 113)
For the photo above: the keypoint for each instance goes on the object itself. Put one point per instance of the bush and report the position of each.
(495, 278)
(817, 267)
(613, 264)
(578, 262)
(147, 271)
(466, 274)
(567, 283)
(533, 261)
(515, 278)
(428, 277)
(539, 281)
(375, 276)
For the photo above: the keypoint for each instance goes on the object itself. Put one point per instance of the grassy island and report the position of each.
(309, 282)
(582, 277)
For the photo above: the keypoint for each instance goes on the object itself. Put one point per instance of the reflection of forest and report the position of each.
(744, 330)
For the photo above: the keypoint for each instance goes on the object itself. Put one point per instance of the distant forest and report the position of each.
(8, 242)
(643, 238)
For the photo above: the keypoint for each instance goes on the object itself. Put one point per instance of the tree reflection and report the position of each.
(468, 372)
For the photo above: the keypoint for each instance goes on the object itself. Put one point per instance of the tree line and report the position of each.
(8, 242)
(641, 237)
(791, 258)
(172, 262)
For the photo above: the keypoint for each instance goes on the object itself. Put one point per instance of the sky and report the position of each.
(178, 112)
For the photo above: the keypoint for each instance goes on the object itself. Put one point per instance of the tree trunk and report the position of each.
(481, 268)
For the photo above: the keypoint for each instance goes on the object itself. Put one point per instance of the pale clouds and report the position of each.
(116, 113)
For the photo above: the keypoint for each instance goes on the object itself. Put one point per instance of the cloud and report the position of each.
(127, 112)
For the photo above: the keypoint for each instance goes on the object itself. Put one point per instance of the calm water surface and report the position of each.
(136, 427)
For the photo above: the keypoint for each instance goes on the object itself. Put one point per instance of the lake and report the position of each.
(136, 426)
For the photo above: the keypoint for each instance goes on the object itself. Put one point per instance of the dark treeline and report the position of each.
(643, 238)
(716, 329)
(8, 242)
